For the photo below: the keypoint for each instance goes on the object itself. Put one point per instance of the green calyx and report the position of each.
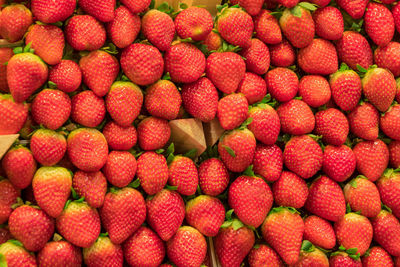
(235, 224)
(249, 171)
(3, 261)
(352, 252)
(135, 184)
(353, 183)
(307, 246)
(282, 208)
(15, 242)
(26, 49)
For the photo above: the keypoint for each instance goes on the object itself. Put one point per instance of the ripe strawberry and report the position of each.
(354, 49)
(16, 255)
(124, 102)
(122, 213)
(290, 190)
(9, 195)
(52, 12)
(340, 258)
(101, 10)
(282, 54)
(153, 133)
(379, 86)
(183, 174)
(388, 57)
(388, 186)
(387, 232)
(296, 117)
(66, 75)
(319, 232)
(88, 109)
(319, 57)
(332, 125)
(326, 199)
(263, 255)
(5, 54)
(184, 62)
(69, 224)
(99, 70)
(59, 254)
(265, 124)
(268, 162)
(390, 122)
(314, 90)
(253, 87)
(346, 88)
(379, 23)
(372, 158)
(329, 23)
(213, 177)
(213, 41)
(394, 154)
(235, 26)
(159, 28)
(120, 168)
(118, 137)
(144, 248)
(135, 6)
(339, 162)
(355, 9)
(15, 21)
(364, 121)
(377, 256)
(48, 147)
(232, 111)
(251, 7)
(267, 28)
(282, 84)
(26, 72)
(103, 252)
(194, 22)
(92, 186)
(19, 166)
(236, 149)
(31, 226)
(152, 171)
(84, 32)
(87, 149)
(14, 115)
(396, 16)
(310, 255)
(257, 57)
(283, 230)
(165, 213)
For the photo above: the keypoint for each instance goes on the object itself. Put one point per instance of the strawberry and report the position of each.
(52, 12)
(339, 162)
(122, 213)
(326, 199)
(235, 26)
(194, 22)
(213, 41)
(124, 102)
(339, 258)
(31, 226)
(379, 23)
(282, 84)
(257, 57)
(152, 171)
(387, 232)
(282, 54)
(296, 117)
(314, 90)
(163, 100)
(226, 70)
(267, 28)
(184, 62)
(263, 255)
(396, 16)
(165, 213)
(88, 109)
(135, 6)
(20, 166)
(346, 88)
(14, 115)
(390, 122)
(364, 121)
(26, 72)
(319, 232)
(251, 7)
(200, 99)
(153, 133)
(372, 158)
(303, 156)
(394, 154)
(69, 224)
(253, 87)
(99, 70)
(397, 261)
(92, 186)
(329, 23)
(84, 32)
(377, 256)
(59, 254)
(9, 195)
(268, 162)
(183, 174)
(87, 149)
(290, 190)
(118, 137)
(103, 252)
(236, 149)
(388, 57)
(233, 242)
(144, 248)
(5, 55)
(332, 125)
(206, 214)
(283, 230)
(354, 49)
(213, 177)
(265, 124)
(232, 111)
(16, 255)
(388, 186)
(120, 168)
(66, 75)
(101, 10)
(48, 147)
(288, 3)
(310, 255)
(187, 247)
(355, 9)
(379, 86)
(15, 21)
(158, 28)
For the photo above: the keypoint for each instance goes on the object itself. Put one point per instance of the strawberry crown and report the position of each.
(296, 11)
(26, 49)
(282, 208)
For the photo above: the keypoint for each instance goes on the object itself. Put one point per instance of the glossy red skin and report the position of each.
(332, 124)
(346, 89)
(232, 111)
(314, 90)
(290, 190)
(67, 75)
(159, 28)
(120, 168)
(101, 10)
(267, 28)
(264, 256)
(48, 147)
(92, 186)
(16, 20)
(20, 166)
(103, 252)
(282, 84)
(268, 162)
(213, 177)
(387, 232)
(14, 115)
(388, 186)
(183, 174)
(390, 122)
(265, 124)
(379, 23)
(364, 121)
(339, 163)
(118, 137)
(388, 57)
(282, 54)
(9, 195)
(319, 232)
(296, 117)
(329, 23)
(51, 12)
(194, 22)
(153, 133)
(251, 7)
(135, 6)
(257, 57)
(394, 154)
(5, 55)
(88, 109)
(377, 257)
(59, 254)
(354, 49)
(253, 87)
(152, 171)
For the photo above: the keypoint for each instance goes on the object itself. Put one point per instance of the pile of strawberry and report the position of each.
(304, 174)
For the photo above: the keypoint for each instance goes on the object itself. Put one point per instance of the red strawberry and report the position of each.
(319, 232)
(66, 75)
(290, 190)
(152, 171)
(253, 87)
(355, 9)
(48, 147)
(396, 16)
(265, 123)
(339, 162)
(314, 90)
(354, 49)
(339, 258)
(232, 111)
(379, 23)
(296, 117)
(377, 256)
(14, 115)
(52, 12)
(92, 186)
(332, 125)
(59, 254)
(120, 168)
(144, 248)
(103, 252)
(257, 57)
(153, 133)
(69, 224)
(183, 174)
(283, 230)
(251, 7)
(165, 213)
(5, 54)
(213, 41)
(135, 6)
(282, 54)
(394, 154)
(364, 121)
(88, 109)
(262, 255)
(328, 23)
(84, 32)
(100, 9)
(388, 57)
(124, 102)
(387, 232)
(268, 162)
(87, 149)
(15, 21)
(282, 84)
(390, 122)
(326, 199)
(194, 22)
(213, 177)
(32, 226)
(118, 137)
(267, 28)
(159, 28)
(346, 88)
(388, 186)
(310, 255)
(372, 158)
(20, 166)
(9, 195)
(16, 255)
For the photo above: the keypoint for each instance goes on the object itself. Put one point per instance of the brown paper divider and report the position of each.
(5, 142)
